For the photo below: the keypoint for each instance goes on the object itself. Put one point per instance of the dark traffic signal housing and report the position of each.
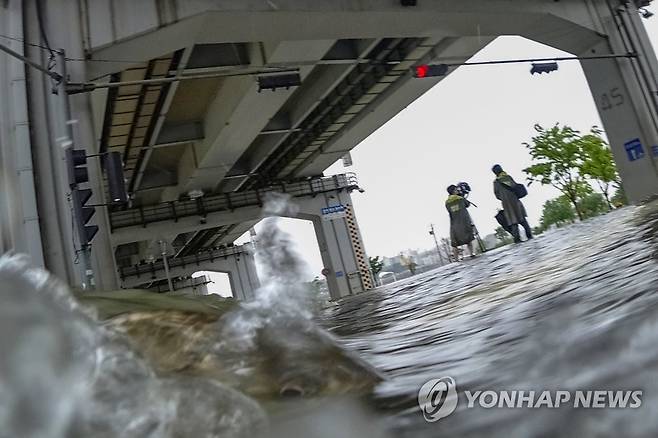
(428, 70)
(544, 67)
(115, 179)
(76, 162)
(272, 82)
(82, 215)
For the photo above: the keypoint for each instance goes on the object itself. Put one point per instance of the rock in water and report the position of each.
(263, 357)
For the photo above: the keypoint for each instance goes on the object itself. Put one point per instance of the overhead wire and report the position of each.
(42, 30)
(24, 42)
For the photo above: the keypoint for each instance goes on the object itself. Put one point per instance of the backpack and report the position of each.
(518, 189)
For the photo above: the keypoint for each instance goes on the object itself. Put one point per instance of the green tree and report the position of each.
(502, 236)
(557, 212)
(619, 198)
(409, 263)
(599, 164)
(558, 156)
(376, 266)
(594, 204)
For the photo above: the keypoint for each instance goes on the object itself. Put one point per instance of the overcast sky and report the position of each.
(474, 118)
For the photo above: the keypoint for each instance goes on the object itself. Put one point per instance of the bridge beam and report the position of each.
(237, 262)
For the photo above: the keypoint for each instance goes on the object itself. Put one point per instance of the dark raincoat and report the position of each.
(461, 226)
(514, 210)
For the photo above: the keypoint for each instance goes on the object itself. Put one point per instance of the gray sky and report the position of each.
(476, 117)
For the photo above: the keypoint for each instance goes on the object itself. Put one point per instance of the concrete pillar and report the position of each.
(339, 240)
(243, 276)
(624, 92)
(62, 24)
(19, 219)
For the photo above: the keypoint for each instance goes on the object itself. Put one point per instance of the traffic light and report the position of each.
(76, 163)
(82, 215)
(545, 67)
(76, 160)
(272, 82)
(115, 180)
(427, 70)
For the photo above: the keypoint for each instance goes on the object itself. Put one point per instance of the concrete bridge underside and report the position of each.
(220, 135)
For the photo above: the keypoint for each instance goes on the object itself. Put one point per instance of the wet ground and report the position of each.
(574, 309)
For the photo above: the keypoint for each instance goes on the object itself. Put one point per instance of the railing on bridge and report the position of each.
(228, 201)
(149, 270)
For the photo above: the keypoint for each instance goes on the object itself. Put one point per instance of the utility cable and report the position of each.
(42, 30)
(24, 42)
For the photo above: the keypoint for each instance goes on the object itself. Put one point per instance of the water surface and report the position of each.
(575, 308)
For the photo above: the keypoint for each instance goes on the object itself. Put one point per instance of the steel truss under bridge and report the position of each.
(142, 216)
(150, 269)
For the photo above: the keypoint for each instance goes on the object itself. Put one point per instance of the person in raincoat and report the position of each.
(461, 226)
(514, 211)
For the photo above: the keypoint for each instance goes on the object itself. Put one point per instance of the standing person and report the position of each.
(514, 211)
(461, 226)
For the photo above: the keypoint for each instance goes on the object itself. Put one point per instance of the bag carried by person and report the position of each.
(500, 218)
(518, 189)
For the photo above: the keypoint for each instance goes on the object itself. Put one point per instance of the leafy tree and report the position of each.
(409, 263)
(598, 163)
(558, 155)
(502, 236)
(376, 266)
(619, 198)
(556, 212)
(594, 204)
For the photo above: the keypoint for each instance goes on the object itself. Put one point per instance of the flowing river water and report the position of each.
(574, 309)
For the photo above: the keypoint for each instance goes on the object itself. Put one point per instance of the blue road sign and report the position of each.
(634, 149)
(333, 209)
(654, 151)
(333, 212)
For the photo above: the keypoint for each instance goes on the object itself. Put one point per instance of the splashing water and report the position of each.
(62, 374)
(282, 297)
(280, 266)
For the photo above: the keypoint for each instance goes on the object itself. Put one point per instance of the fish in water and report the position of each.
(270, 358)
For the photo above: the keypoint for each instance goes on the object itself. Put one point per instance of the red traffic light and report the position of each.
(421, 71)
(426, 70)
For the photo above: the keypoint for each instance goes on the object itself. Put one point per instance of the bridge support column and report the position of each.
(243, 276)
(19, 220)
(48, 136)
(339, 239)
(625, 94)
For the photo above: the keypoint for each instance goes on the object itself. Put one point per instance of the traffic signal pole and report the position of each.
(60, 88)
(68, 142)
(436, 242)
